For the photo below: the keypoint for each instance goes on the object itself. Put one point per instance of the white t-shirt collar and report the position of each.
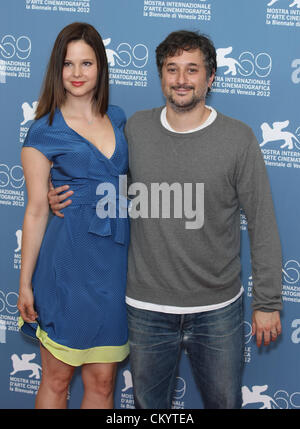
(209, 120)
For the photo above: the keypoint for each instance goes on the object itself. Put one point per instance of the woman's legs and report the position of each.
(56, 377)
(99, 382)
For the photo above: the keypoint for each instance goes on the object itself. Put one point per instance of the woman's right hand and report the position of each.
(55, 200)
(25, 305)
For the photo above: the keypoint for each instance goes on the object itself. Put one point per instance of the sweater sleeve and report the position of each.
(255, 198)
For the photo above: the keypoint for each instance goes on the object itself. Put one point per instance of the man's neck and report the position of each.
(184, 121)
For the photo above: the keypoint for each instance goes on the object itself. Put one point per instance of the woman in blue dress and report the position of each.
(72, 290)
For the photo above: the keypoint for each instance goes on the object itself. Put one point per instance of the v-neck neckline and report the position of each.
(93, 147)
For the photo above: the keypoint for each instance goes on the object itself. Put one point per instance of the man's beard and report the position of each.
(188, 106)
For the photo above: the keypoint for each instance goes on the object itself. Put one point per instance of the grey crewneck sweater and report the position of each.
(172, 265)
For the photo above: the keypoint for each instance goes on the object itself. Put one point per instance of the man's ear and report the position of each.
(211, 78)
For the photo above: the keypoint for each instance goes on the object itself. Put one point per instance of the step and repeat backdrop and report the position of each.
(258, 82)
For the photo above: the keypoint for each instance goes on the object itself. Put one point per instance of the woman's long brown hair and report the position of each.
(53, 92)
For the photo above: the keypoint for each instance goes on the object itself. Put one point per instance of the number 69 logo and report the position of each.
(10, 47)
(13, 177)
(125, 54)
(248, 63)
(137, 55)
(291, 272)
(8, 302)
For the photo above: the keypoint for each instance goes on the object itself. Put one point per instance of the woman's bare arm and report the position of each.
(36, 171)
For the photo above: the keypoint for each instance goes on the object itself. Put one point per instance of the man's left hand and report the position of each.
(266, 326)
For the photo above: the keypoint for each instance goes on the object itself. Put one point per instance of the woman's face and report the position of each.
(80, 71)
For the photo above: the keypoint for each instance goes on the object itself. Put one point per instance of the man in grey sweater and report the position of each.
(195, 168)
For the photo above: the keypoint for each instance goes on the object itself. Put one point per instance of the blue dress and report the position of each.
(80, 276)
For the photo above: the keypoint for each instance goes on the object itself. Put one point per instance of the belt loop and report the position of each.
(181, 321)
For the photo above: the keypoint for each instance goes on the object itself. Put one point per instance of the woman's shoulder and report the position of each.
(40, 123)
(41, 128)
(37, 128)
(44, 121)
(117, 114)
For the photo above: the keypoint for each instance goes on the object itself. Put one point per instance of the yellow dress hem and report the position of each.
(77, 357)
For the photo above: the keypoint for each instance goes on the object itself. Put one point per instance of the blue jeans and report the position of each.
(214, 342)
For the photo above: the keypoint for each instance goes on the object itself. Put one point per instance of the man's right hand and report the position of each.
(55, 200)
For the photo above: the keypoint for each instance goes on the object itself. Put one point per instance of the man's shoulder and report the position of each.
(235, 133)
(229, 123)
(144, 115)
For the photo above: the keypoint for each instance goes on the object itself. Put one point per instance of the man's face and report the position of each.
(184, 81)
